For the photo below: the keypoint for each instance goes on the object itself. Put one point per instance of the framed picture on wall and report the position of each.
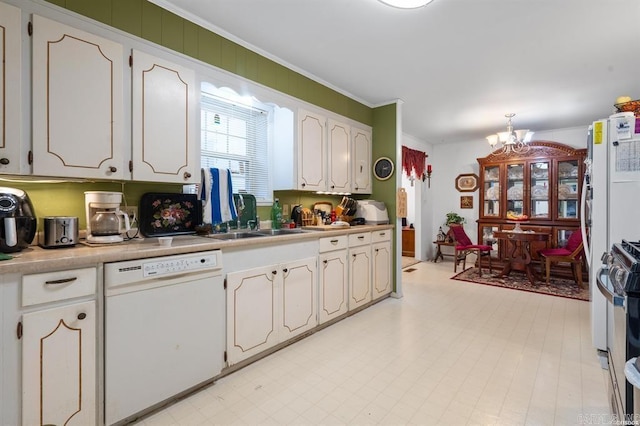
(466, 202)
(467, 182)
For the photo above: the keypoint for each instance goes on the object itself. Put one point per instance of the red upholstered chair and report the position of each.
(464, 246)
(571, 253)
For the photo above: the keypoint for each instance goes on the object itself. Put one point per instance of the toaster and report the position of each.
(59, 231)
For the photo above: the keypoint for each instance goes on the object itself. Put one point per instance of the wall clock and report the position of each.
(383, 168)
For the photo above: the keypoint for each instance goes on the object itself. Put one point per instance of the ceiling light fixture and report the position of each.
(513, 141)
(406, 4)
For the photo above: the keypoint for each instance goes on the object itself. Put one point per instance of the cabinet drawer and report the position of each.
(379, 236)
(333, 243)
(359, 239)
(60, 285)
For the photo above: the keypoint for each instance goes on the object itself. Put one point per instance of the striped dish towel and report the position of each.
(217, 196)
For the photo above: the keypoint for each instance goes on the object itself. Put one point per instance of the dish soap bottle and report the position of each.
(276, 215)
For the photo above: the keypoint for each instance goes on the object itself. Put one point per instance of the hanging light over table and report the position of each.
(513, 141)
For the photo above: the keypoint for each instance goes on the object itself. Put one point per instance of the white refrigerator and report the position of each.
(611, 202)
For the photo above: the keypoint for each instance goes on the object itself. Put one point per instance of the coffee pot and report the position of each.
(106, 223)
(109, 222)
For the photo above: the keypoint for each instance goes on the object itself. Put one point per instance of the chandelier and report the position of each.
(406, 4)
(513, 141)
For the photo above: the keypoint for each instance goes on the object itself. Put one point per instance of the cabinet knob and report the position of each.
(377, 250)
(303, 184)
(354, 255)
(333, 186)
(325, 261)
(4, 161)
(285, 270)
(187, 175)
(113, 169)
(82, 316)
(274, 272)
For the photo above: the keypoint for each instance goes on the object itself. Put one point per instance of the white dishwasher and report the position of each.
(164, 329)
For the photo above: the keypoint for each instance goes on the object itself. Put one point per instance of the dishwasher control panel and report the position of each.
(133, 271)
(165, 266)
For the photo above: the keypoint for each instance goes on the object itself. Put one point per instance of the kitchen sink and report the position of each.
(280, 231)
(235, 235)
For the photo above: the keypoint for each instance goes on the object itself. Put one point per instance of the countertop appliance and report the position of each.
(106, 223)
(164, 329)
(373, 212)
(59, 231)
(612, 173)
(18, 225)
(618, 281)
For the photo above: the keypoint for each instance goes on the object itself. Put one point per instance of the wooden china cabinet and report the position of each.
(545, 183)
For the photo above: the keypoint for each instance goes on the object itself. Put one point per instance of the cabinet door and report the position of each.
(10, 97)
(165, 147)
(59, 366)
(381, 278)
(361, 161)
(333, 285)
(568, 185)
(77, 103)
(540, 193)
(359, 276)
(339, 143)
(515, 188)
(299, 292)
(252, 297)
(312, 154)
(490, 205)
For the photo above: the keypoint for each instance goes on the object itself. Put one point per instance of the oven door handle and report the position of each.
(613, 298)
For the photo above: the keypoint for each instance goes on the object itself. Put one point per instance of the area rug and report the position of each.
(518, 281)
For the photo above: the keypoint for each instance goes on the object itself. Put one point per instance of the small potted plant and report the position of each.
(455, 219)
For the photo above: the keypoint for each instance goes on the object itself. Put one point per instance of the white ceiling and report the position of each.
(457, 65)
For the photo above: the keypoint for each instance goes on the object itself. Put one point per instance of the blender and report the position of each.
(105, 221)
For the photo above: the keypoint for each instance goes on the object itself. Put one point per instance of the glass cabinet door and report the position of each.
(491, 190)
(568, 189)
(487, 236)
(515, 188)
(539, 195)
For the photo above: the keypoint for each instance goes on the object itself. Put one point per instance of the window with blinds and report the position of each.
(235, 137)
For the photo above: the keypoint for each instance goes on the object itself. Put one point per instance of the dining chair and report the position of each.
(570, 253)
(464, 246)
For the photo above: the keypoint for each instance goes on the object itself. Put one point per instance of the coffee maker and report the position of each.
(105, 221)
(18, 220)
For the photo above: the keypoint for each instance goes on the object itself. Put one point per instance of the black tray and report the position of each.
(164, 213)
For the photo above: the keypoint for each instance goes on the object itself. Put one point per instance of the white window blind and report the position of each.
(235, 137)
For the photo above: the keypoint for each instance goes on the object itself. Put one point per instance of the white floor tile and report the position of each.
(448, 352)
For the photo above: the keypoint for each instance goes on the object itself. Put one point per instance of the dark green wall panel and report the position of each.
(100, 10)
(208, 47)
(191, 39)
(127, 16)
(228, 51)
(172, 31)
(151, 22)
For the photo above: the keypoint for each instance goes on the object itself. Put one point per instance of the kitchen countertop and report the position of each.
(37, 259)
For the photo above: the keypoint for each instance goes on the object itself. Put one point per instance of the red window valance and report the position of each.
(413, 160)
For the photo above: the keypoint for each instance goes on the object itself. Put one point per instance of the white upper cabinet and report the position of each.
(78, 107)
(338, 143)
(312, 156)
(361, 160)
(11, 159)
(165, 144)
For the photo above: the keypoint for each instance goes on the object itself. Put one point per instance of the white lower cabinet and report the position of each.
(269, 305)
(333, 285)
(59, 365)
(381, 283)
(359, 270)
(59, 348)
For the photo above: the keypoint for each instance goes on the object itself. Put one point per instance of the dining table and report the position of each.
(518, 251)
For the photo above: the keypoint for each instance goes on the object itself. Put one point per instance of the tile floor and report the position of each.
(448, 352)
